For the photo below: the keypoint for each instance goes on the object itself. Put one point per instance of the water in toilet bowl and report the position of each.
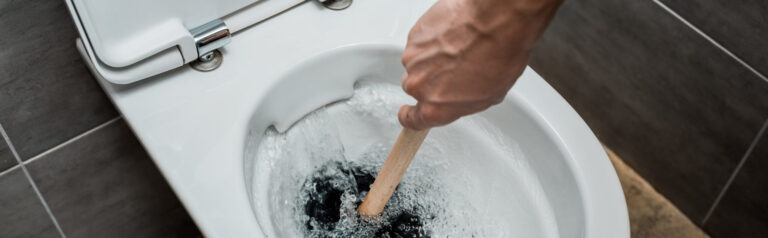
(332, 193)
(467, 180)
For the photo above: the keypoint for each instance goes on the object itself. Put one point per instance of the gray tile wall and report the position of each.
(680, 107)
(93, 175)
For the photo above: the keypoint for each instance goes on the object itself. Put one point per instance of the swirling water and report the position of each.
(467, 180)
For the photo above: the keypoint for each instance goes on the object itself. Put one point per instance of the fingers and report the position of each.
(409, 86)
(424, 116)
(410, 117)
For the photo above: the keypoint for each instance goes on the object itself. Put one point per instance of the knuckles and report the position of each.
(409, 54)
(410, 86)
(436, 115)
(405, 58)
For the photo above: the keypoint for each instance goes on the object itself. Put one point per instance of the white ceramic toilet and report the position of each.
(279, 61)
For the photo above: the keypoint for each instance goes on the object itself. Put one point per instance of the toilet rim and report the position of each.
(590, 164)
(603, 198)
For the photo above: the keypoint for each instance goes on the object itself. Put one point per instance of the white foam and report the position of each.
(475, 180)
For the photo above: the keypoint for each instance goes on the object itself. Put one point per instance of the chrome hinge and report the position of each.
(210, 36)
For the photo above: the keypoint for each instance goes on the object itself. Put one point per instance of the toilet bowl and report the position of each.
(203, 129)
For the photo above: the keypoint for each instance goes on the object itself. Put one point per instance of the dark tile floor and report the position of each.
(21, 212)
(6, 157)
(47, 94)
(739, 26)
(743, 211)
(679, 110)
(105, 185)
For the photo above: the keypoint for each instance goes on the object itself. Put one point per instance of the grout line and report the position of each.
(71, 140)
(32, 182)
(711, 40)
(735, 172)
(9, 169)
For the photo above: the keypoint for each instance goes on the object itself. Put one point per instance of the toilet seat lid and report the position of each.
(132, 40)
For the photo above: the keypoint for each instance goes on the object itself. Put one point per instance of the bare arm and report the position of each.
(462, 56)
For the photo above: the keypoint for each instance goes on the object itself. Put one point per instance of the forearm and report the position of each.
(463, 56)
(521, 20)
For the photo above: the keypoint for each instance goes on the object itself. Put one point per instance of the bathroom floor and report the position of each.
(651, 214)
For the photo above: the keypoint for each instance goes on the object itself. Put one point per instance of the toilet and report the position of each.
(199, 82)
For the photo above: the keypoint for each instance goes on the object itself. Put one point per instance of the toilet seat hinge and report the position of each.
(209, 37)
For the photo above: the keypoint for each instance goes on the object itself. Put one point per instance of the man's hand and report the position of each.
(463, 56)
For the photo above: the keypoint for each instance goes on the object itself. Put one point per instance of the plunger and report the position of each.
(406, 146)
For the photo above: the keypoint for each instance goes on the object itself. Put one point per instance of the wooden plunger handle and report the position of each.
(406, 146)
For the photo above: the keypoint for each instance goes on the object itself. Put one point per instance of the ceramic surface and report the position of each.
(195, 125)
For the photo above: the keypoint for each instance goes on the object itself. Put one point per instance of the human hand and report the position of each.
(463, 56)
